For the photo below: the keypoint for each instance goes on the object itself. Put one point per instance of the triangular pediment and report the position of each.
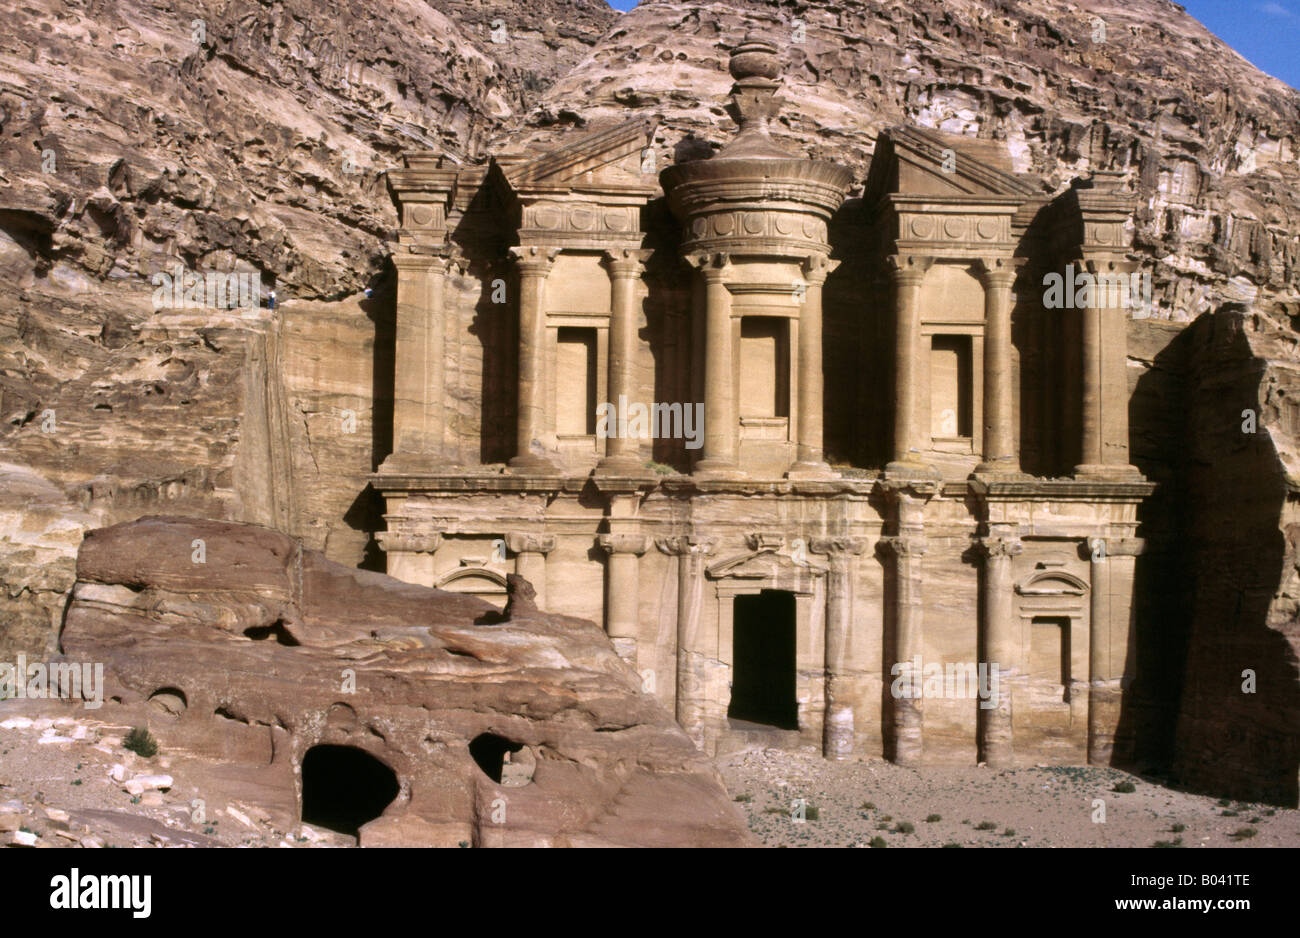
(910, 161)
(762, 565)
(607, 158)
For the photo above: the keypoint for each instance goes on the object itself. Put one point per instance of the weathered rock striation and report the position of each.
(527, 732)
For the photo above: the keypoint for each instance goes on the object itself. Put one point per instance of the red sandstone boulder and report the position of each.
(262, 657)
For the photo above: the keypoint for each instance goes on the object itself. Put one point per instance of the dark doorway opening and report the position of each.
(344, 787)
(763, 660)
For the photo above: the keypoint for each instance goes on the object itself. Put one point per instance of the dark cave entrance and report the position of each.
(344, 787)
(489, 751)
(763, 660)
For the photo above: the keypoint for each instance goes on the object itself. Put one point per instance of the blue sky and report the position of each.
(1266, 32)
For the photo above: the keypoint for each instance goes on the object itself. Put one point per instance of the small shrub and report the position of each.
(1227, 814)
(1243, 833)
(867, 806)
(1178, 828)
(986, 826)
(141, 742)
(744, 799)
(1269, 813)
(887, 817)
(1176, 842)
(812, 813)
(882, 827)
(1124, 788)
(953, 845)
(878, 842)
(1224, 802)
(1009, 832)
(905, 827)
(931, 818)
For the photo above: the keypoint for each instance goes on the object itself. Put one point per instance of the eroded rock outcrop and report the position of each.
(527, 732)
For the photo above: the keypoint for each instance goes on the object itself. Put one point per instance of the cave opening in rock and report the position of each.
(763, 660)
(344, 787)
(489, 751)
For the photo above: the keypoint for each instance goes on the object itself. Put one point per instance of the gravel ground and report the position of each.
(852, 804)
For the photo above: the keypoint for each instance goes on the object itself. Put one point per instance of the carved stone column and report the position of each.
(1001, 455)
(622, 590)
(907, 711)
(533, 263)
(908, 272)
(418, 393)
(720, 423)
(409, 557)
(625, 268)
(997, 595)
(812, 458)
(530, 552)
(838, 728)
(689, 700)
(1111, 651)
(1104, 358)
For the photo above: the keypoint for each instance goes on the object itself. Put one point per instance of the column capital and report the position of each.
(992, 547)
(533, 259)
(1097, 549)
(908, 269)
(626, 263)
(418, 263)
(1105, 263)
(902, 546)
(817, 267)
(404, 542)
(624, 543)
(712, 265)
(837, 545)
(998, 271)
(521, 542)
(680, 544)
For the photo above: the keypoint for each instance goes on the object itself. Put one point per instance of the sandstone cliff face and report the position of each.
(1237, 650)
(248, 659)
(224, 137)
(240, 136)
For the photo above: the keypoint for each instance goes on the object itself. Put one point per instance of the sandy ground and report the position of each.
(1044, 806)
(57, 790)
(64, 777)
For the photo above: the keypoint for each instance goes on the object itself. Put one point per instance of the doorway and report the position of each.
(763, 660)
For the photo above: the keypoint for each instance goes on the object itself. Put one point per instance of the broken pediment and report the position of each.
(610, 158)
(915, 162)
(763, 564)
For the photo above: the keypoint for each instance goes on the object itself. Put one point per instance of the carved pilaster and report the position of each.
(906, 552)
(999, 647)
(838, 726)
(690, 700)
(530, 550)
(622, 590)
(534, 264)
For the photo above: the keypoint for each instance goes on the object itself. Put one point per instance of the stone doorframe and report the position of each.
(766, 567)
